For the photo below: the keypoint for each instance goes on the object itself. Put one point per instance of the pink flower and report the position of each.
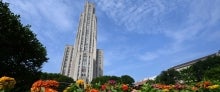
(112, 82)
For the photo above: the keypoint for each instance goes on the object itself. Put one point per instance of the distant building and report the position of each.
(83, 60)
(188, 64)
(140, 83)
(67, 60)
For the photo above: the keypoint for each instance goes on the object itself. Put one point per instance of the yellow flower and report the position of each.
(65, 90)
(1, 86)
(213, 87)
(80, 82)
(88, 87)
(165, 90)
(7, 82)
(2, 79)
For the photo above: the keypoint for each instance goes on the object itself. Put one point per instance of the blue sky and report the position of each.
(140, 38)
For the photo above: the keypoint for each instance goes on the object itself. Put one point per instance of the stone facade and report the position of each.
(84, 61)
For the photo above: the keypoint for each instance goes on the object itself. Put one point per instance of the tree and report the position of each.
(105, 79)
(200, 68)
(126, 79)
(170, 76)
(21, 54)
(186, 75)
(213, 73)
(64, 81)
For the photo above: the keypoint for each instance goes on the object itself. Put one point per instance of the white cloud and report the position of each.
(201, 17)
(130, 14)
(49, 18)
(52, 12)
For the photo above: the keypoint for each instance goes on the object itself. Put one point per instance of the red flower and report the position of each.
(103, 87)
(179, 86)
(124, 87)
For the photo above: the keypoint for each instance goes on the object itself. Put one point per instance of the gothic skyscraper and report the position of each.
(83, 60)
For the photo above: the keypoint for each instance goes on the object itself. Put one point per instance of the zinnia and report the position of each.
(80, 82)
(112, 82)
(213, 86)
(103, 87)
(124, 87)
(94, 90)
(165, 90)
(194, 88)
(7, 82)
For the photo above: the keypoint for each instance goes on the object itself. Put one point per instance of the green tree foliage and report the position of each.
(168, 77)
(151, 81)
(198, 70)
(213, 74)
(186, 76)
(64, 81)
(206, 66)
(105, 79)
(21, 54)
(207, 69)
(126, 79)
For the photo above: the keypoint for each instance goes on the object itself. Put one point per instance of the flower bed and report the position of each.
(204, 86)
(7, 83)
(112, 86)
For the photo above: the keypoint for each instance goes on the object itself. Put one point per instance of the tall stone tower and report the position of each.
(83, 60)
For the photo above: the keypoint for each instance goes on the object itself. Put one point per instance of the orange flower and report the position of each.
(167, 87)
(37, 83)
(35, 89)
(50, 90)
(48, 84)
(194, 88)
(94, 90)
(206, 84)
(124, 87)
